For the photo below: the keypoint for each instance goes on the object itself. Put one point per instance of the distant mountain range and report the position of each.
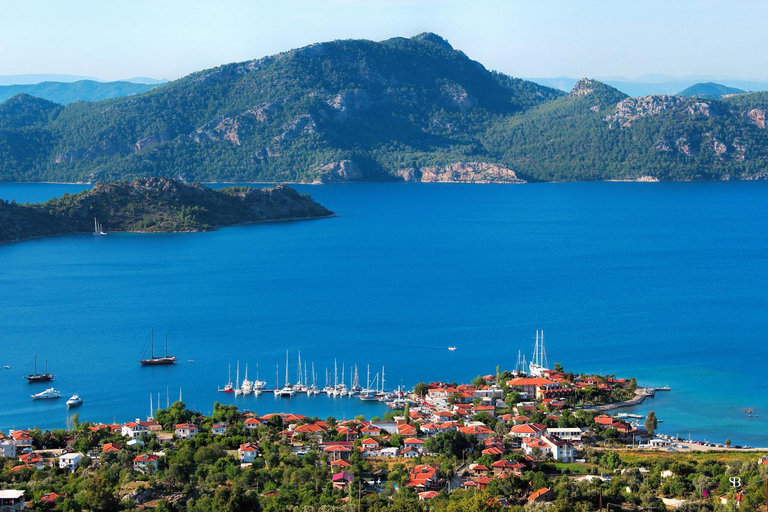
(69, 92)
(402, 109)
(39, 78)
(655, 84)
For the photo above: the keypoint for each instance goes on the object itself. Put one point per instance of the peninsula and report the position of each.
(154, 205)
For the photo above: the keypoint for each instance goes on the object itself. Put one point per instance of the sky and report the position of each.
(116, 39)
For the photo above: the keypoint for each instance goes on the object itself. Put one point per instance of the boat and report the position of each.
(7, 367)
(228, 388)
(75, 400)
(247, 386)
(288, 390)
(166, 359)
(238, 388)
(538, 364)
(97, 229)
(48, 393)
(39, 377)
(452, 348)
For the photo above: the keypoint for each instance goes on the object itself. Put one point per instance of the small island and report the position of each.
(154, 205)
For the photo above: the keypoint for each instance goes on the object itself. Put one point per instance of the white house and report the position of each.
(70, 461)
(7, 448)
(219, 429)
(247, 452)
(132, 429)
(185, 430)
(567, 434)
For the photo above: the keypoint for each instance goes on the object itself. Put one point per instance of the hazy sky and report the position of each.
(113, 39)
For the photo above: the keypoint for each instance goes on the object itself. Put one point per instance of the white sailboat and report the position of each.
(258, 385)
(97, 230)
(538, 364)
(247, 386)
(238, 389)
(228, 387)
(288, 390)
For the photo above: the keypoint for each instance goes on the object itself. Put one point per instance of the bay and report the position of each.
(666, 282)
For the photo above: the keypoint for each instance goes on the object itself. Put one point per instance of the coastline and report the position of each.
(640, 395)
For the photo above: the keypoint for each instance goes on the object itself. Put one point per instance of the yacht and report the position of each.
(288, 390)
(228, 387)
(97, 229)
(166, 359)
(48, 393)
(246, 386)
(452, 348)
(538, 364)
(74, 401)
(38, 377)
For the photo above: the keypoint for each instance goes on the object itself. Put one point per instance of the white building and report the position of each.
(567, 434)
(185, 430)
(7, 448)
(70, 461)
(247, 453)
(11, 500)
(132, 429)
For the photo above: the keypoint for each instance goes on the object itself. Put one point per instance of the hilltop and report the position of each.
(710, 90)
(402, 109)
(154, 205)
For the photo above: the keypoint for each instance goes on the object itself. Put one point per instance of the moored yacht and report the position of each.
(74, 401)
(48, 393)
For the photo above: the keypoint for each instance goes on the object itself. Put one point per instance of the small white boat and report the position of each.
(7, 367)
(452, 348)
(48, 393)
(74, 401)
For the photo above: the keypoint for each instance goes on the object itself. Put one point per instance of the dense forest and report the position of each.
(356, 110)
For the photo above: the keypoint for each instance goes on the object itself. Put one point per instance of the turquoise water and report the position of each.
(665, 282)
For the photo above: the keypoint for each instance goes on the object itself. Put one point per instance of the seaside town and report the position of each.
(530, 438)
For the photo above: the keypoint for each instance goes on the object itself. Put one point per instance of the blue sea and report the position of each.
(667, 282)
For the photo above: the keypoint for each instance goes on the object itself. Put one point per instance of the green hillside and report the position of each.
(357, 110)
(69, 92)
(709, 90)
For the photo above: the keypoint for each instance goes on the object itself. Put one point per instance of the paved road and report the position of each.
(458, 475)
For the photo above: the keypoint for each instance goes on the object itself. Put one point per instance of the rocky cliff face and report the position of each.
(461, 172)
(632, 109)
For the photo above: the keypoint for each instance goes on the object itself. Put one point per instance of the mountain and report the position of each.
(710, 90)
(663, 85)
(36, 79)
(154, 205)
(82, 90)
(401, 109)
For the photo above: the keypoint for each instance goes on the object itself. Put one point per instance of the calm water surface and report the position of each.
(665, 282)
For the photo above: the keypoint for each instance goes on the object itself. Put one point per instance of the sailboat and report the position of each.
(247, 386)
(258, 385)
(238, 389)
(300, 385)
(166, 359)
(97, 230)
(288, 390)
(538, 364)
(39, 377)
(228, 388)
(520, 366)
(368, 393)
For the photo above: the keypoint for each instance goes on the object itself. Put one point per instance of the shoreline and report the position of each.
(640, 395)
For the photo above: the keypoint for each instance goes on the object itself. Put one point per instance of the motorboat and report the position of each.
(48, 393)
(74, 401)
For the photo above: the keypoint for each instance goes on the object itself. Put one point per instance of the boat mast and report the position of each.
(166, 343)
(382, 379)
(286, 368)
(237, 376)
(153, 343)
(543, 353)
(335, 374)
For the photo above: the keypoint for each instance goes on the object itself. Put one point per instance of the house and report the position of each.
(150, 425)
(478, 469)
(145, 463)
(340, 463)
(542, 495)
(252, 424)
(562, 451)
(604, 420)
(11, 500)
(412, 442)
(70, 461)
(424, 476)
(479, 431)
(311, 430)
(567, 434)
(409, 453)
(21, 439)
(370, 447)
(51, 498)
(111, 447)
(33, 460)
(507, 467)
(529, 385)
(342, 480)
(185, 430)
(526, 430)
(7, 448)
(482, 482)
(219, 429)
(247, 452)
(427, 495)
(406, 429)
(388, 452)
(337, 452)
(132, 429)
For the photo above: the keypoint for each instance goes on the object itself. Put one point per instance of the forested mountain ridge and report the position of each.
(356, 110)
